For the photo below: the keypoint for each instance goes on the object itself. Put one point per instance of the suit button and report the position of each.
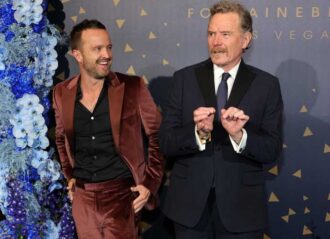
(93, 137)
(92, 118)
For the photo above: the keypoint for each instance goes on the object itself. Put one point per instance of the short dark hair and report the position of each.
(227, 6)
(76, 31)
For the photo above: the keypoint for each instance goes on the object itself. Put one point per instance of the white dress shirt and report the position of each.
(217, 72)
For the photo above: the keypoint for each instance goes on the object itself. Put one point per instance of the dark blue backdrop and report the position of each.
(291, 40)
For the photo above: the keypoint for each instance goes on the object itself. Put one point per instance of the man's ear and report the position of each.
(247, 37)
(77, 55)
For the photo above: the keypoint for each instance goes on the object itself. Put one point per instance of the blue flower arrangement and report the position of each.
(32, 193)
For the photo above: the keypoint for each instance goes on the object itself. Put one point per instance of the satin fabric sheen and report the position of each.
(104, 210)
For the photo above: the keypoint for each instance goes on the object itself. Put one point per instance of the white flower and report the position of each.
(20, 16)
(19, 131)
(28, 100)
(27, 12)
(21, 6)
(53, 231)
(49, 170)
(35, 2)
(30, 141)
(45, 176)
(21, 142)
(3, 193)
(35, 15)
(54, 186)
(54, 168)
(2, 66)
(38, 121)
(42, 142)
(3, 52)
(46, 60)
(29, 127)
(39, 157)
(3, 187)
(51, 41)
(48, 82)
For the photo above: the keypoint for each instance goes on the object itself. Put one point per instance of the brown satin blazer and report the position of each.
(131, 108)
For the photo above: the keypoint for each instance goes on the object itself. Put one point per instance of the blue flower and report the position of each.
(29, 176)
(7, 18)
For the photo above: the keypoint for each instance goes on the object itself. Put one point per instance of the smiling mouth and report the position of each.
(103, 62)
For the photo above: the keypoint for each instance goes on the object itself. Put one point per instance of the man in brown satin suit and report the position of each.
(100, 119)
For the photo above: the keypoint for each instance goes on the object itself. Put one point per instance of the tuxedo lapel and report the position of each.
(116, 98)
(204, 74)
(68, 102)
(242, 82)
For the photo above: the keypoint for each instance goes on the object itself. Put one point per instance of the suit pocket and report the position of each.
(253, 178)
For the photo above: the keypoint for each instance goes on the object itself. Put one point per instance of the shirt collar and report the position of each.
(79, 91)
(233, 72)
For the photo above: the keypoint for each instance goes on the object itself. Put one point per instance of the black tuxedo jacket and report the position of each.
(238, 178)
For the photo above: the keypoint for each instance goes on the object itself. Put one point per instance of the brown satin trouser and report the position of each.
(104, 210)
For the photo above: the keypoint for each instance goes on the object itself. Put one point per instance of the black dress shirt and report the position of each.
(96, 158)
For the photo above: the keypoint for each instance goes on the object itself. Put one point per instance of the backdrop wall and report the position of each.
(291, 40)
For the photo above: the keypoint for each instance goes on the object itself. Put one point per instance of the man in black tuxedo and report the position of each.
(221, 123)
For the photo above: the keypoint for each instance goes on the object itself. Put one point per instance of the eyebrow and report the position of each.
(100, 45)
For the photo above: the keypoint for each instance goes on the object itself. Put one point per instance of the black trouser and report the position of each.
(210, 226)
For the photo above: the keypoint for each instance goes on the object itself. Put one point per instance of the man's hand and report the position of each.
(203, 118)
(142, 199)
(70, 188)
(233, 120)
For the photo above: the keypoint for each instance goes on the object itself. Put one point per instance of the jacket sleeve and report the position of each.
(59, 134)
(151, 119)
(177, 137)
(264, 141)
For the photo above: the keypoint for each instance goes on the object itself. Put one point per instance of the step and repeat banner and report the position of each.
(291, 40)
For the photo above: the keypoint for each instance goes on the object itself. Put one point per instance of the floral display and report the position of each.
(33, 197)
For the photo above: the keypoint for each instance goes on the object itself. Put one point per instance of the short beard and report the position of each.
(96, 75)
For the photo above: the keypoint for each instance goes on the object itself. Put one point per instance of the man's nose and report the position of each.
(217, 40)
(106, 53)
